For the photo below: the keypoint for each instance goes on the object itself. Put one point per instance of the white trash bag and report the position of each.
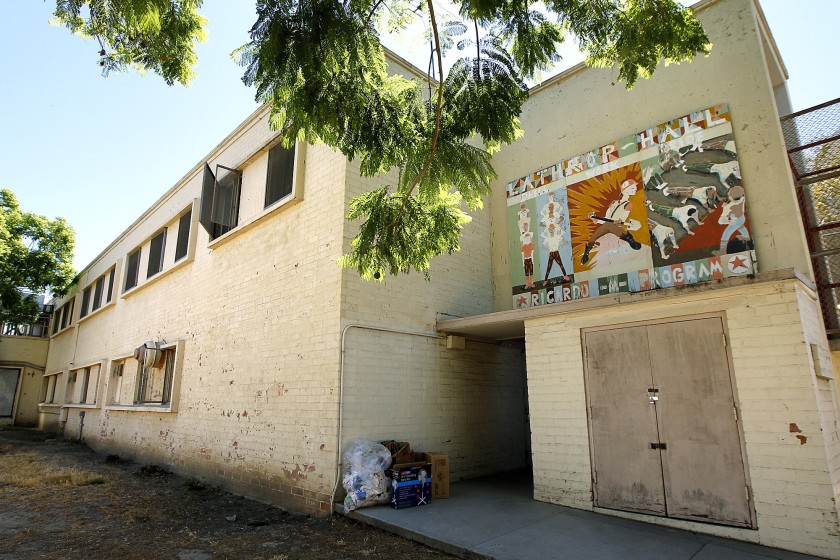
(364, 474)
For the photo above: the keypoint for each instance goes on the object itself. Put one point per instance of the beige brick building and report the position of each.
(264, 357)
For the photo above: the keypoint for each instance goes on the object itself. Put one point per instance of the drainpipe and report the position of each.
(341, 388)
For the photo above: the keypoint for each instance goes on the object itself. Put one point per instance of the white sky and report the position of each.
(100, 151)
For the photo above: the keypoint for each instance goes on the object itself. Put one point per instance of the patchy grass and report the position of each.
(28, 470)
(118, 507)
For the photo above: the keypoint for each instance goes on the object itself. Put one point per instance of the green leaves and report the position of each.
(643, 33)
(400, 233)
(35, 255)
(156, 35)
(321, 66)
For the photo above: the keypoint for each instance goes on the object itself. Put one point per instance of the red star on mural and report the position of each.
(738, 263)
(521, 301)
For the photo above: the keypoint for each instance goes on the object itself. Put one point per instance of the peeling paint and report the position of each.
(802, 439)
(794, 428)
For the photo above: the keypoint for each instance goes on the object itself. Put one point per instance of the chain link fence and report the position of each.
(812, 137)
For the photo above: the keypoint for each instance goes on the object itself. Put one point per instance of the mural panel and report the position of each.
(660, 208)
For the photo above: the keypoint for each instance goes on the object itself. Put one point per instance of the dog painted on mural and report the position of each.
(683, 214)
(661, 235)
(707, 197)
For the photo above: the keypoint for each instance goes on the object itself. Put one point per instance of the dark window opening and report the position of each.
(85, 302)
(156, 248)
(110, 285)
(281, 166)
(132, 270)
(97, 293)
(183, 236)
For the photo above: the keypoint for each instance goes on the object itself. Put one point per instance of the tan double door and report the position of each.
(663, 422)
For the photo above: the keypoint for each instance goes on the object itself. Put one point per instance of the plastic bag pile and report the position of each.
(364, 474)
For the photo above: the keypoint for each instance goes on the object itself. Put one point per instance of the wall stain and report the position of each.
(794, 428)
(802, 439)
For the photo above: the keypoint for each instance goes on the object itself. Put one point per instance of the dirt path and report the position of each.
(58, 499)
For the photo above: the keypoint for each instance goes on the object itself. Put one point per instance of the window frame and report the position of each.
(133, 277)
(219, 216)
(79, 381)
(276, 154)
(50, 395)
(85, 303)
(182, 241)
(62, 318)
(101, 292)
(156, 253)
(173, 382)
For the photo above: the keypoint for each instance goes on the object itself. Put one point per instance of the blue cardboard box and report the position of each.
(411, 484)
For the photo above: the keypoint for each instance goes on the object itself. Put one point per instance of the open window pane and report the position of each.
(281, 166)
(183, 236)
(226, 199)
(208, 188)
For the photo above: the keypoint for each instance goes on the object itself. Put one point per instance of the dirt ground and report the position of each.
(58, 499)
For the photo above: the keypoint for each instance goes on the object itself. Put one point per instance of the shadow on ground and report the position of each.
(58, 499)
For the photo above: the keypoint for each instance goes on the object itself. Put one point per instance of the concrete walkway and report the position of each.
(496, 517)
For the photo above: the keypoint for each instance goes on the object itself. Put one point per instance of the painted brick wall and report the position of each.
(583, 110)
(791, 482)
(469, 403)
(259, 317)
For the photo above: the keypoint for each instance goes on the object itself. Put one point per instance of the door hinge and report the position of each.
(735, 410)
(724, 339)
(747, 492)
(590, 412)
(586, 352)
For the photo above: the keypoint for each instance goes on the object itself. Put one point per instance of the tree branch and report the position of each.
(437, 113)
(373, 10)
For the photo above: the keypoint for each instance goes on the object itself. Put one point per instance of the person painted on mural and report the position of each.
(550, 213)
(527, 250)
(728, 173)
(524, 217)
(735, 218)
(553, 239)
(616, 221)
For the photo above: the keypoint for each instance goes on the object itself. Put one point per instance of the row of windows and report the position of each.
(101, 294)
(157, 250)
(219, 214)
(63, 316)
(132, 382)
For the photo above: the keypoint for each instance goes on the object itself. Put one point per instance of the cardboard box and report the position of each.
(411, 483)
(440, 474)
(400, 452)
